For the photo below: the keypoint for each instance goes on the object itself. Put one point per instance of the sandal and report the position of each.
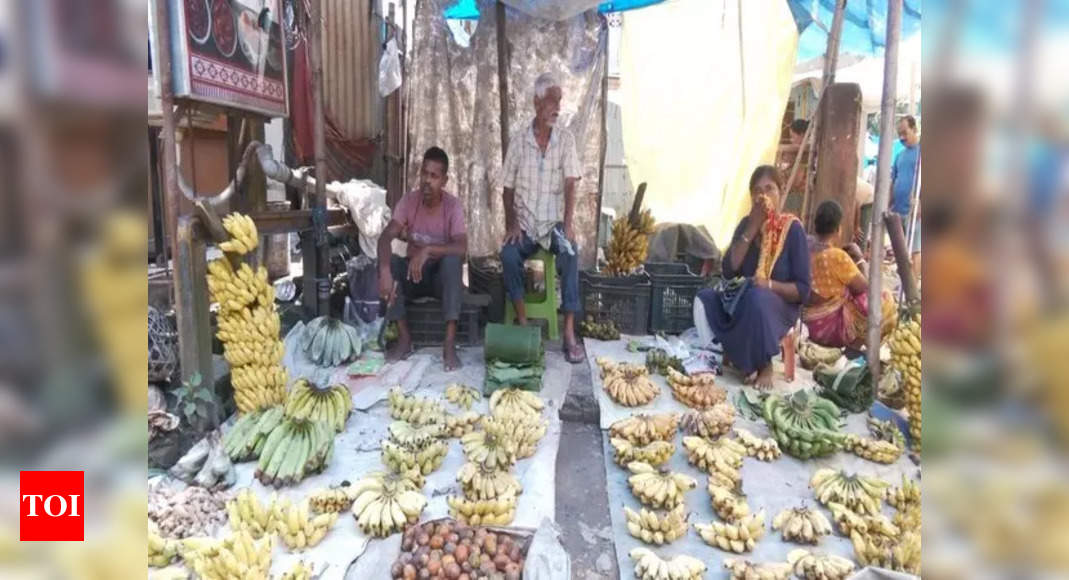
(574, 355)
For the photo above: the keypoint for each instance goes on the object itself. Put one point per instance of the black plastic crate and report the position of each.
(625, 300)
(673, 287)
(428, 329)
(485, 276)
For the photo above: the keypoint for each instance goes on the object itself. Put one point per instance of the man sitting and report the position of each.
(431, 220)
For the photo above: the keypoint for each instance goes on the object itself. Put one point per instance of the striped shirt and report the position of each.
(538, 179)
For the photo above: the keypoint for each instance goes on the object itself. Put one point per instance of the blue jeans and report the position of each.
(513, 255)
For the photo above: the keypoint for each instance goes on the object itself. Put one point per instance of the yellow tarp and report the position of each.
(703, 89)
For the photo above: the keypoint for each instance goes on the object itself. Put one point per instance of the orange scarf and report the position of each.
(773, 238)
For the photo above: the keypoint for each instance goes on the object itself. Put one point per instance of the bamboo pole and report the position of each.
(831, 62)
(168, 155)
(319, 203)
(883, 183)
(502, 76)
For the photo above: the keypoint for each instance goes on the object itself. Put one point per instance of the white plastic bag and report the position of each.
(390, 69)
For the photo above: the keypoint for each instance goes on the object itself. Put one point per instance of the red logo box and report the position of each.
(51, 506)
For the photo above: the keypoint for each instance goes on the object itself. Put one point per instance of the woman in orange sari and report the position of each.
(837, 313)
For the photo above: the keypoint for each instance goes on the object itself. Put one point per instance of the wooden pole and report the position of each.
(893, 222)
(503, 77)
(315, 53)
(831, 62)
(604, 135)
(168, 155)
(883, 182)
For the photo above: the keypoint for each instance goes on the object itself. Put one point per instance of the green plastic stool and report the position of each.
(546, 306)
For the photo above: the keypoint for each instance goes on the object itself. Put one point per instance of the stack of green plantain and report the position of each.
(804, 424)
(659, 361)
(330, 405)
(295, 448)
(604, 330)
(245, 440)
(416, 410)
(329, 342)
(385, 503)
(652, 528)
(723, 456)
(655, 453)
(859, 493)
(629, 243)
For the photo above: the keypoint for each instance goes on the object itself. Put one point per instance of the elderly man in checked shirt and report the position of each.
(540, 173)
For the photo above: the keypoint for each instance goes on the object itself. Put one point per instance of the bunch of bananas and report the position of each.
(161, 551)
(730, 506)
(659, 361)
(810, 355)
(491, 446)
(329, 342)
(656, 453)
(248, 327)
(246, 512)
(650, 566)
(709, 423)
(604, 330)
(857, 492)
(658, 488)
(334, 499)
(886, 431)
(414, 409)
(802, 525)
(871, 449)
(696, 392)
(747, 570)
(299, 571)
(647, 526)
(243, 235)
(906, 554)
(763, 449)
(424, 459)
(905, 344)
(643, 429)
(527, 430)
(238, 556)
(462, 396)
(808, 566)
(723, 456)
(629, 243)
(297, 527)
(331, 405)
(628, 385)
(509, 401)
(383, 505)
(738, 537)
(295, 448)
(246, 438)
(478, 481)
(905, 496)
(499, 511)
(417, 436)
(804, 424)
(458, 426)
(847, 519)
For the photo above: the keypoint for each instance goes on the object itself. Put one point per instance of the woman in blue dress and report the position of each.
(766, 280)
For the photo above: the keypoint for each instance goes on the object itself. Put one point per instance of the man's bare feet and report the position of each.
(450, 360)
(764, 378)
(400, 349)
(749, 379)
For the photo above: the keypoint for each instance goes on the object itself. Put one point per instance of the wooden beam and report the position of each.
(831, 62)
(883, 182)
(837, 172)
(321, 298)
(503, 76)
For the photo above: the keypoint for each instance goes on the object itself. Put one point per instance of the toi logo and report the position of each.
(51, 506)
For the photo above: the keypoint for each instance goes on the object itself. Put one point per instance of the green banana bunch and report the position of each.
(246, 437)
(331, 405)
(295, 448)
(330, 342)
(805, 425)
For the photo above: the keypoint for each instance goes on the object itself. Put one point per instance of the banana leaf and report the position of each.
(850, 387)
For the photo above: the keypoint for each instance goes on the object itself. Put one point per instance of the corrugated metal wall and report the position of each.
(350, 67)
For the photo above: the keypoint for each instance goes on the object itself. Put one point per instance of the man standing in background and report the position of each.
(904, 181)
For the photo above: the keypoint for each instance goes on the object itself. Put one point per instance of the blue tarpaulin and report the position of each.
(864, 25)
(467, 9)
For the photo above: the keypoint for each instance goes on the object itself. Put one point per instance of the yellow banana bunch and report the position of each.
(709, 423)
(644, 429)
(739, 537)
(650, 566)
(746, 570)
(298, 528)
(847, 520)
(499, 511)
(629, 387)
(246, 512)
(808, 566)
(459, 426)
(299, 571)
(415, 410)
(696, 391)
(161, 551)
(479, 482)
(629, 243)
(249, 329)
(243, 235)
(526, 430)
(763, 449)
(611, 367)
(331, 499)
(905, 496)
(658, 488)
(492, 446)
(384, 505)
(511, 400)
(402, 458)
(415, 436)
(656, 453)
(238, 556)
(730, 506)
(861, 494)
(462, 396)
(647, 526)
(332, 404)
(871, 449)
(905, 343)
(906, 554)
(723, 456)
(802, 525)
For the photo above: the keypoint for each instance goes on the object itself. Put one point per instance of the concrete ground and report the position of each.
(582, 502)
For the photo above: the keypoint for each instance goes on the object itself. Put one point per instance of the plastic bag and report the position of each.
(390, 69)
